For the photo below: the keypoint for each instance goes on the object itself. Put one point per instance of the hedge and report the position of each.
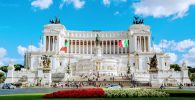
(134, 92)
(77, 93)
(106, 93)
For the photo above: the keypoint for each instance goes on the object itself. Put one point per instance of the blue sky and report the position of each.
(172, 23)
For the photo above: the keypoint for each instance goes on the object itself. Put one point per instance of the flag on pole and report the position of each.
(123, 43)
(64, 49)
(66, 43)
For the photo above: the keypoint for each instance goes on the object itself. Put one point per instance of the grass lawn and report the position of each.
(38, 96)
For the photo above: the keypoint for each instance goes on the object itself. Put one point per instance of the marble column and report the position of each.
(118, 47)
(106, 47)
(137, 43)
(144, 43)
(83, 47)
(140, 45)
(75, 46)
(148, 43)
(45, 44)
(70, 47)
(79, 46)
(113, 46)
(49, 44)
(110, 47)
(53, 43)
(91, 46)
(102, 47)
(87, 48)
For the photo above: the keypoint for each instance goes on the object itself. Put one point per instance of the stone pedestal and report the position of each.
(47, 79)
(154, 80)
(39, 72)
(98, 51)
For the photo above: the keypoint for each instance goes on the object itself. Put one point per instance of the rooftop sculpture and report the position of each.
(56, 21)
(137, 20)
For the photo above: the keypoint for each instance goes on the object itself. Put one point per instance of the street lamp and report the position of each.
(128, 65)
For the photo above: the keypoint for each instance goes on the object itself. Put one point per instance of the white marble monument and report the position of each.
(89, 61)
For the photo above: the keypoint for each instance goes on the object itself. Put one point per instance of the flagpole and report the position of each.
(128, 62)
(68, 71)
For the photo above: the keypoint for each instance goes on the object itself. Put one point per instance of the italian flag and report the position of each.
(64, 49)
(123, 43)
(66, 45)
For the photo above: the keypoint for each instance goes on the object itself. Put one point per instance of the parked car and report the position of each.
(8, 86)
(113, 86)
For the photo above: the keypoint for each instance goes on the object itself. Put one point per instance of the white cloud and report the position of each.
(156, 48)
(76, 3)
(7, 60)
(1, 63)
(106, 2)
(172, 45)
(181, 50)
(185, 44)
(190, 57)
(4, 60)
(173, 57)
(163, 8)
(21, 50)
(42, 4)
(3, 52)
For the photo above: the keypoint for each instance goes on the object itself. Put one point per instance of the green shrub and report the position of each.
(2, 77)
(134, 92)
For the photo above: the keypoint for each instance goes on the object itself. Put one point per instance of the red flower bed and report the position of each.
(79, 93)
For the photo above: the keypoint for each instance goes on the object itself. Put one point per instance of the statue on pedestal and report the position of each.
(98, 49)
(97, 40)
(153, 64)
(46, 63)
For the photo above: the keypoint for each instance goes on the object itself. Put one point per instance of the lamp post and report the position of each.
(128, 65)
(68, 71)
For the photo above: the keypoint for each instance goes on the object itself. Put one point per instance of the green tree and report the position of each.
(191, 70)
(175, 67)
(4, 69)
(2, 77)
(18, 67)
(191, 74)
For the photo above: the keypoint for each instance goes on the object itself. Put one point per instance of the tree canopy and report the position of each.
(190, 73)
(4, 68)
(2, 77)
(18, 67)
(176, 67)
